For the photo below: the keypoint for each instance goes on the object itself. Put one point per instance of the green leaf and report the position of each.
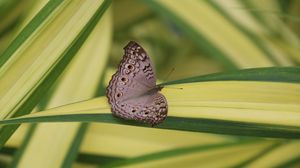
(30, 29)
(271, 74)
(226, 107)
(154, 158)
(230, 43)
(32, 96)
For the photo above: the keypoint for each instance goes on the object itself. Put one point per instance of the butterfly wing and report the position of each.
(134, 76)
(128, 89)
(151, 108)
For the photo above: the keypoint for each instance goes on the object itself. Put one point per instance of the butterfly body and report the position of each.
(132, 91)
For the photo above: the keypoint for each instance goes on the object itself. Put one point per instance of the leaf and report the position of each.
(30, 29)
(101, 137)
(272, 74)
(252, 108)
(236, 47)
(90, 59)
(34, 78)
(279, 157)
(194, 155)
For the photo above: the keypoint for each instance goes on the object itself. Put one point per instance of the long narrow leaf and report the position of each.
(93, 53)
(225, 107)
(39, 75)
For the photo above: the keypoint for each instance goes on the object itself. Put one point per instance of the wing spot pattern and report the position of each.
(135, 68)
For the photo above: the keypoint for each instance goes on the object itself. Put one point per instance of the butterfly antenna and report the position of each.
(166, 78)
(169, 74)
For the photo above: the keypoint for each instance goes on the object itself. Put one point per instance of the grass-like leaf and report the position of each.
(29, 98)
(235, 48)
(223, 107)
(175, 152)
(271, 74)
(158, 159)
(30, 29)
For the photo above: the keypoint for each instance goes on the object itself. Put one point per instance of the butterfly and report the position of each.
(132, 91)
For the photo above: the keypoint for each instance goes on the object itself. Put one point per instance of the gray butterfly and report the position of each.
(132, 91)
